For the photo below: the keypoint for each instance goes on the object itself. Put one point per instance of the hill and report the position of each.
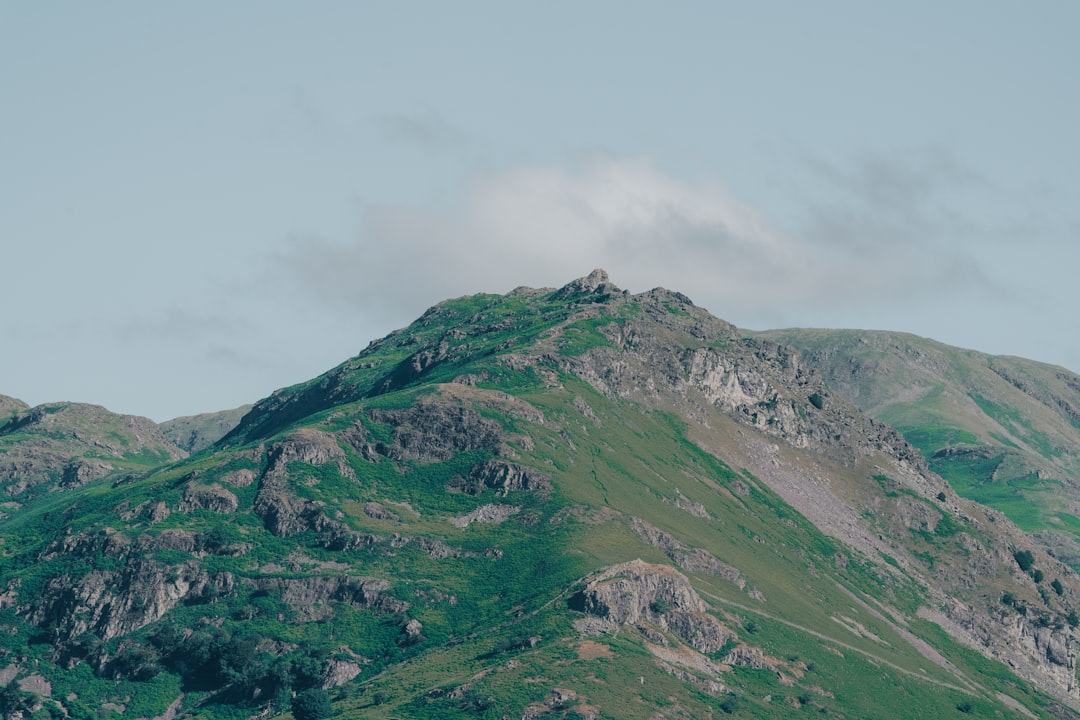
(571, 502)
(1004, 431)
(65, 445)
(197, 432)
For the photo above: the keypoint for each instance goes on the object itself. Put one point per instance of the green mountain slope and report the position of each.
(1004, 431)
(553, 503)
(64, 445)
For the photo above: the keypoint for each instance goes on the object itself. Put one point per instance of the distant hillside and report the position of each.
(1004, 431)
(196, 432)
(554, 503)
(66, 445)
(9, 406)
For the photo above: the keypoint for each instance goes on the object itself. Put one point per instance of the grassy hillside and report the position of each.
(65, 445)
(1003, 431)
(572, 503)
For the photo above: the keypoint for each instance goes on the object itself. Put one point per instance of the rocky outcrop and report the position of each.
(431, 431)
(338, 672)
(81, 472)
(309, 447)
(593, 288)
(686, 557)
(110, 604)
(208, 497)
(311, 598)
(636, 591)
(281, 510)
(485, 514)
(502, 477)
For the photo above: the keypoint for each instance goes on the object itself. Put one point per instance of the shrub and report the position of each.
(1024, 559)
(817, 401)
(660, 606)
(1037, 575)
(14, 701)
(1058, 587)
(313, 704)
(730, 704)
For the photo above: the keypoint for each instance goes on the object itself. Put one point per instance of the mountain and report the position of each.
(557, 503)
(65, 445)
(1004, 431)
(197, 432)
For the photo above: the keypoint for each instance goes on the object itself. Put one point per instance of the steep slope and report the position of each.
(553, 503)
(65, 445)
(197, 432)
(1004, 431)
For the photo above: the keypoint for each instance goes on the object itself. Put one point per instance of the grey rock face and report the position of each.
(636, 591)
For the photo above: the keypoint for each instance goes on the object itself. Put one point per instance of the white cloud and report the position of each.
(543, 226)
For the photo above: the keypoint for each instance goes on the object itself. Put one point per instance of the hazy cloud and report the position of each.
(176, 325)
(426, 130)
(911, 215)
(543, 226)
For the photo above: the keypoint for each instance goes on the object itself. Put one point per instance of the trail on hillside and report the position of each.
(971, 689)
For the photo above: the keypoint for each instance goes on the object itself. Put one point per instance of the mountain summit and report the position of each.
(572, 502)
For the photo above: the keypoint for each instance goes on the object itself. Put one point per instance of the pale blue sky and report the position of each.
(201, 202)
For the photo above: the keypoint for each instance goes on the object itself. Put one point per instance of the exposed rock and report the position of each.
(689, 559)
(81, 472)
(239, 478)
(624, 592)
(36, 684)
(595, 288)
(431, 431)
(208, 497)
(751, 657)
(691, 506)
(485, 514)
(114, 603)
(378, 512)
(628, 593)
(502, 477)
(283, 513)
(307, 446)
(338, 672)
(169, 539)
(12, 670)
(310, 597)
(413, 628)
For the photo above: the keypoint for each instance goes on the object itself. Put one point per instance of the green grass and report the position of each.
(1019, 426)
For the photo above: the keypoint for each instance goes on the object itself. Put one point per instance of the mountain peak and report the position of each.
(595, 286)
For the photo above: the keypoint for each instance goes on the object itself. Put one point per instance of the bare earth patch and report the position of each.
(592, 650)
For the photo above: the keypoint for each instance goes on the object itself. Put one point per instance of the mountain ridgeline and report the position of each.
(554, 503)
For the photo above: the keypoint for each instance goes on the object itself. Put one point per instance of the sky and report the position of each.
(202, 202)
